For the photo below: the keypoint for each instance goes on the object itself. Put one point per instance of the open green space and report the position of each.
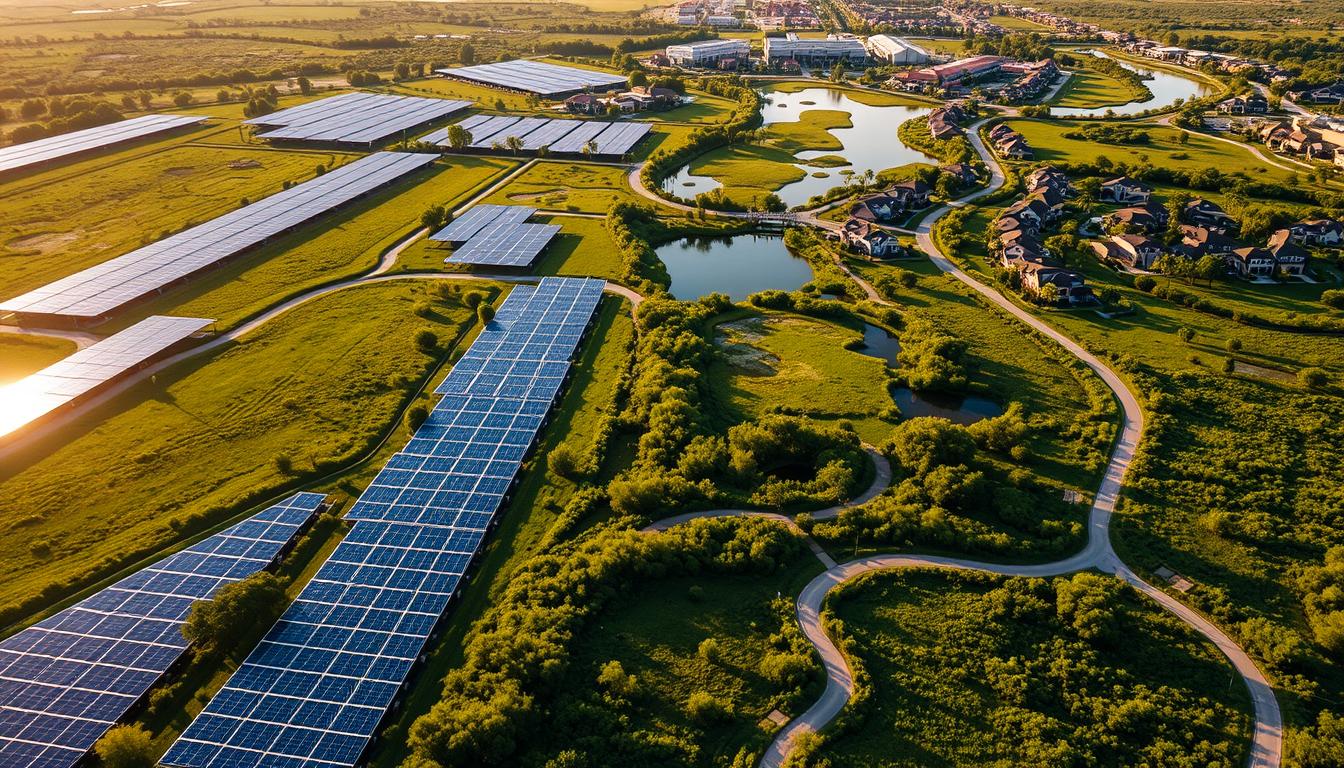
(1015, 24)
(317, 386)
(703, 109)
(562, 185)
(967, 669)
(777, 361)
(67, 219)
(1089, 89)
(23, 355)
(868, 96)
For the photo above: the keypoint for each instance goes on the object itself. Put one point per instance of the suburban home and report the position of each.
(1139, 251)
(1015, 147)
(1318, 232)
(1071, 285)
(1321, 151)
(1014, 224)
(1047, 176)
(865, 237)
(1330, 94)
(1125, 191)
(962, 172)
(585, 104)
(1251, 104)
(1051, 197)
(1132, 219)
(877, 208)
(915, 193)
(1290, 257)
(1204, 213)
(1252, 262)
(1200, 241)
(1031, 208)
(1000, 131)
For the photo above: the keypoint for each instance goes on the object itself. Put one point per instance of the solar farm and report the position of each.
(357, 118)
(496, 235)
(318, 686)
(556, 136)
(33, 153)
(101, 290)
(70, 677)
(539, 77)
(89, 369)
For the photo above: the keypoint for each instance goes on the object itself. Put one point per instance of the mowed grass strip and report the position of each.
(316, 385)
(23, 355)
(559, 185)
(62, 221)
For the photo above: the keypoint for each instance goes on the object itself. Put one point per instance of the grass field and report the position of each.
(972, 670)
(22, 355)
(317, 384)
(704, 109)
(1089, 89)
(559, 185)
(789, 361)
(68, 219)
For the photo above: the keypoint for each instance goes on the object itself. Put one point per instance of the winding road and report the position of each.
(1267, 738)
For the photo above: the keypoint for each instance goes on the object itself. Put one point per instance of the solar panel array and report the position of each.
(66, 680)
(356, 118)
(75, 142)
(99, 290)
(535, 77)
(465, 227)
(84, 371)
(507, 244)
(313, 692)
(558, 135)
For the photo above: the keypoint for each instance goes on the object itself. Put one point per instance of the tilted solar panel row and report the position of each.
(315, 690)
(507, 244)
(67, 679)
(33, 152)
(478, 217)
(535, 76)
(98, 290)
(357, 118)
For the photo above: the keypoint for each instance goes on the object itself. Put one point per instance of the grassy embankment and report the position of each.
(22, 355)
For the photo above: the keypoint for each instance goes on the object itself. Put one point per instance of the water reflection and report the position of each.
(1166, 87)
(737, 266)
(955, 408)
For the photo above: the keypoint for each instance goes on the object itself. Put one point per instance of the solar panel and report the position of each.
(577, 139)
(356, 118)
(88, 369)
(479, 217)
(506, 244)
(558, 135)
(535, 77)
(34, 152)
(497, 132)
(313, 693)
(101, 289)
(67, 679)
(621, 137)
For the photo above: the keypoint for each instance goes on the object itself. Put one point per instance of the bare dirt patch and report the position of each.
(43, 243)
(735, 339)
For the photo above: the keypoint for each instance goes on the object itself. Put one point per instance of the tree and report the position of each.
(838, 73)
(458, 137)
(416, 416)
(222, 96)
(485, 313)
(1087, 603)
(468, 54)
(32, 108)
(637, 79)
(145, 98)
(235, 610)
(564, 460)
(1313, 378)
(401, 71)
(514, 144)
(590, 148)
(705, 709)
(616, 682)
(434, 217)
(1209, 267)
(305, 85)
(1048, 294)
(283, 464)
(182, 98)
(1186, 334)
(128, 102)
(127, 746)
(426, 341)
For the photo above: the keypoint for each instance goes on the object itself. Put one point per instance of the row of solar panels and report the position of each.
(314, 691)
(496, 235)
(79, 374)
(67, 144)
(557, 135)
(536, 77)
(67, 679)
(101, 289)
(356, 118)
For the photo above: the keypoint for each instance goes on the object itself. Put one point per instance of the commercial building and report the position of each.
(832, 49)
(708, 53)
(896, 50)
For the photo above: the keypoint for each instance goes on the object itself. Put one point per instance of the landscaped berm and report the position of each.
(597, 383)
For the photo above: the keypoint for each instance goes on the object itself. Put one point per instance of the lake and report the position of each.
(737, 266)
(870, 144)
(955, 408)
(1165, 85)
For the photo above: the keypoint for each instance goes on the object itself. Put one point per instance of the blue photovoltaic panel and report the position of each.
(464, 227)
(67, 679)
(355, 118)
(558, 135)
(314, 691)
(505, 244)
(98, 290)
(535, 77)
(75, 142)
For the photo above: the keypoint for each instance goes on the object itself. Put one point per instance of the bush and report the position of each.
(473, 299)
(565, 461)
(236, 609)
(127, 746)
(1313, 378)
(709, 650)
(426, 340)
(704, 709)
(485, 313)
(1333, 298)
(284, 464)
(1145, 283)
(416, 416)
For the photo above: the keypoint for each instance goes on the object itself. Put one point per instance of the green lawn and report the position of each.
(704, 109)
(58, 222)
(23, 355)
(974, 670)
(1089, 89)
(560, 185)
(318, 384)
(1014, 24)
(779, 360)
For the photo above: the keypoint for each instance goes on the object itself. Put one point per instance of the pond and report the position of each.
(737, 266)
(1166, 86)
(880, 344)
(871, 144)
(957, 409)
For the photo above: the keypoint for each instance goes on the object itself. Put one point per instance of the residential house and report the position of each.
(1200, 241)
(1016, 148)
(962, 172)
(1048, 176)
(877, 208)
(1125, 191)
(1208, 214)
(1135, 218)
(1252, 262)
(1012, 224)
(1318, 232)
(1139, 251)
(1031, 208)
(585, 104)
(1250, 104)
(1330, 94)
(865, 237)
(1290, 257)
(1071, 286)
(915, 193)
